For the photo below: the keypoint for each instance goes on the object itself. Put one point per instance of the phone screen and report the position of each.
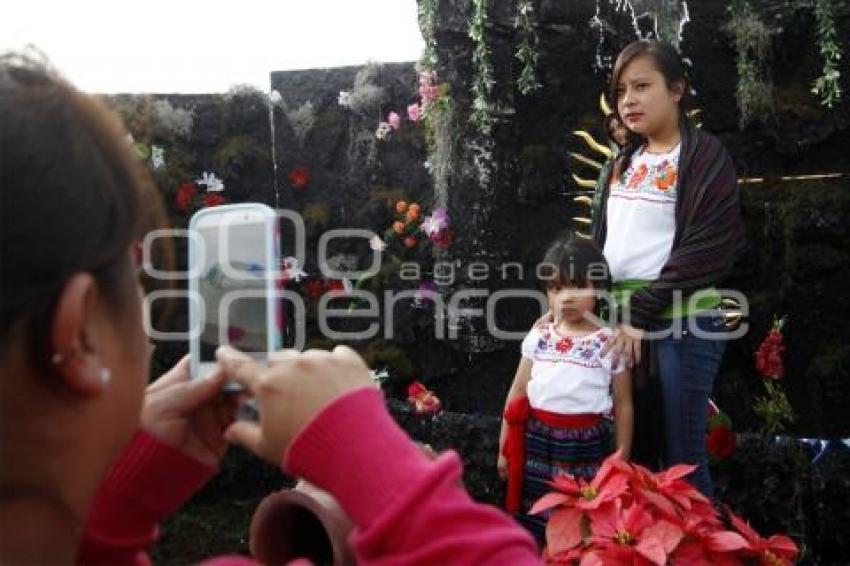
(233, 283)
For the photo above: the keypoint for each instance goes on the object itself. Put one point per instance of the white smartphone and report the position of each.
(234, 258)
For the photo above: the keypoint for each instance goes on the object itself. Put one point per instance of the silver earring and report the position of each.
(105, 375)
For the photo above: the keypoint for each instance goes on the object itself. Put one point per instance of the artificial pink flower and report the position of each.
(394, 120)
(414, 112)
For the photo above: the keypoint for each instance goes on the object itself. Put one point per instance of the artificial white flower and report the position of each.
(292, 270)
(344, 99)
(213, 184)
(157, 157)
(377, 244)
(275, 97)
(383, 130)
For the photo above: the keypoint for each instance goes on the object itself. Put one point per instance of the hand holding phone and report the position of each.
(233, 261)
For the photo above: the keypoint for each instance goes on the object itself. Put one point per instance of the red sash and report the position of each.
(516, 415)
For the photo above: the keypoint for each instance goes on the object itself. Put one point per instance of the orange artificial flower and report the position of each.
(398, 226)
(413, 212)
(401, 207)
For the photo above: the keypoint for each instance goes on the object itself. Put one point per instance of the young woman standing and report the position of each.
(669, 222)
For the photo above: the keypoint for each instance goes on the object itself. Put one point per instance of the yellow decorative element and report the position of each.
(583, 200)
(586, 160)
(594, 145)
(586, 183)
(582, 220)
(603, 104)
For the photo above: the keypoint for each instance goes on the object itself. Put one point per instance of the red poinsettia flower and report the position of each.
(185, 193)
(631, 536)
(212, 199)
(334, 285)
(721, 442)
(704, 545)
(299, 177)
(773, 551)
(669, 491)
(573, 499)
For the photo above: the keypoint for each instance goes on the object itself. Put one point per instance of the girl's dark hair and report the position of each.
(73, 198)
(669, 63)
(572, 260)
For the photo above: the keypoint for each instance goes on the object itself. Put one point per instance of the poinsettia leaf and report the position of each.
(782, 545)
(547, 502)
(667, 533)
(591, 559)
(653, 550)
(690, 552)
(563, 531)
(660, 501)
(725, 541)
(744, 528)
(676, 472)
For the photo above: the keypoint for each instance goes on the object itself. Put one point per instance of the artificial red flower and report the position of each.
(235, 333)
(410, 242)
(423, 400)
(299, 177)
(334, 285)
(185, 193)
(444, 238)
(721, 442)
(315, 287)
(212, 199)
(769, 360)
(773, 551)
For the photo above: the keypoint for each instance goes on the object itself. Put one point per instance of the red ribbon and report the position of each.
(516, 415)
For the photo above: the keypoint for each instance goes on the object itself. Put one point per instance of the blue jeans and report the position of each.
(688, 365)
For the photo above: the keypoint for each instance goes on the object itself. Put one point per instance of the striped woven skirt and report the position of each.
(551, 451)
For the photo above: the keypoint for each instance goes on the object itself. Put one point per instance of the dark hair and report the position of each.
(669, 63)
(608, 124)
(74, 197)
(575, 261)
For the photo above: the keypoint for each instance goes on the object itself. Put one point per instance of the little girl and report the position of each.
(555, 414)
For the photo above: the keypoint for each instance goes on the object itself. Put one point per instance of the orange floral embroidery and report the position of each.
(638, 176)
(666, 178)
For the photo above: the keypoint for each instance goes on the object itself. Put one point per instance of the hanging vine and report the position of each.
(427, 14)
(527, 50)
(483, 80)
(752, 43)
(827, 87)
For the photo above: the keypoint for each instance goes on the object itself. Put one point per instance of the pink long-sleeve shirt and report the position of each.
(406, 508)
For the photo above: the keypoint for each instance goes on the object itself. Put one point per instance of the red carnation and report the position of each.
(185, 193)
(721, 442)
(299, 177)
(213, 200)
